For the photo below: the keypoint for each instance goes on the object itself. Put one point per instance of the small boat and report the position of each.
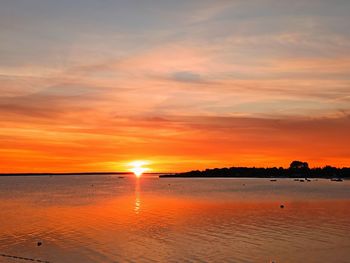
(301, 180)
(296, 180)
(337, 180)
(121, 177)
(273, 180)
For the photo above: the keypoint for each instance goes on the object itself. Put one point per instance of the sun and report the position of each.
(137, 167)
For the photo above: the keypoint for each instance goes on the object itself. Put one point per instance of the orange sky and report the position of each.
(89, 86)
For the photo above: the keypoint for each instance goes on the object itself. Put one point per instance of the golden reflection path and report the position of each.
(137, 206)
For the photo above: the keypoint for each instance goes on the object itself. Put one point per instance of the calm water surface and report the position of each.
(108, 219)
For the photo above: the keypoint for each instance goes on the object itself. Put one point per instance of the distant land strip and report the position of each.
(297, 169)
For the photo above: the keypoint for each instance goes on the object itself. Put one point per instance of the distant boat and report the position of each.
(301, 180)
(337, 180)
(273, 180)
(296, 180)
(121, 177)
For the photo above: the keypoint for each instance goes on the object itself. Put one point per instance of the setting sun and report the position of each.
(137, 167)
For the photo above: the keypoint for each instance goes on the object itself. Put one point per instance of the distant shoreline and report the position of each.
(297, 170)
(246, 177)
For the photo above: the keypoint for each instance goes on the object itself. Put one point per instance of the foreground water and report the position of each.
(110, 219)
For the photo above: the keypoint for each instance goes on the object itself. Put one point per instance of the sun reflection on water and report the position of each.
(137, 206)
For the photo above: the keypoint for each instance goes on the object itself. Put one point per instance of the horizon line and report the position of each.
(129, 172)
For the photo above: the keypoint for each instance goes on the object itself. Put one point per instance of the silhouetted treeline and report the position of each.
(297, 169)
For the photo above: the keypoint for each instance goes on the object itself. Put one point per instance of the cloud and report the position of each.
(186, 76)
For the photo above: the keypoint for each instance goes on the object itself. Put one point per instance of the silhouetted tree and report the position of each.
(299, 165)
(330, 171)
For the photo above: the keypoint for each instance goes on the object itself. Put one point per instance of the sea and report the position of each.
(113, 218)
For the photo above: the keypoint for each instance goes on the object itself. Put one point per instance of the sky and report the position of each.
(92, 85)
